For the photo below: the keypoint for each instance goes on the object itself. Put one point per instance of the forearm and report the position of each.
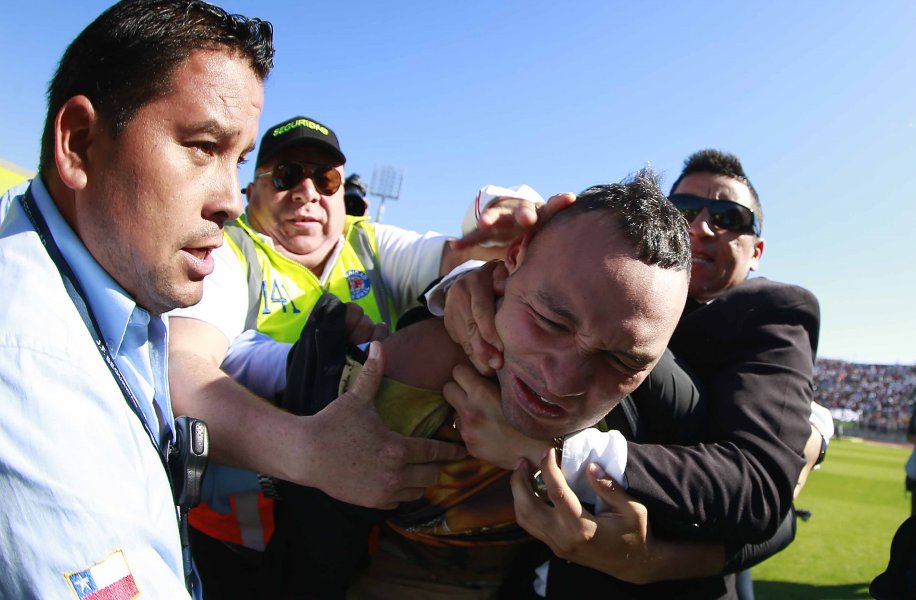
(663, 560)
(245, 430)
(718, 491)
(724, 488)
(671, 560)
(812, 453)
(740, 482)
(427, 339)
(452, 257)
(731, 479)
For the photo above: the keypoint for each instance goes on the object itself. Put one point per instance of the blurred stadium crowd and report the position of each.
(878, 397)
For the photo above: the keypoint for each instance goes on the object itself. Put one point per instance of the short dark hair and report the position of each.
(126, 57)
(718, 162)
(644, 216)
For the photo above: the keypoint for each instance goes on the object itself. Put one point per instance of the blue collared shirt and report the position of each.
(136, 340)
(85, 495)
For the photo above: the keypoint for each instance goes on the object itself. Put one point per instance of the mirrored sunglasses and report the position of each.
(723, 214)
(287, 175)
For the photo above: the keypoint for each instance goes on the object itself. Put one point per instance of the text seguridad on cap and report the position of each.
(296, 131)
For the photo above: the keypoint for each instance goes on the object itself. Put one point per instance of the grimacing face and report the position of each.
(721, 259)
(156, 196)
(582, 324)
(304, 225)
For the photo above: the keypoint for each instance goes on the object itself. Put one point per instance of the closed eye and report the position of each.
(550, 324)
(623, 366)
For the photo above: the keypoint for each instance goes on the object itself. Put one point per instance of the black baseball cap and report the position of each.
(296, 131)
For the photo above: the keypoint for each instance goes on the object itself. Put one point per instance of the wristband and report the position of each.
(823, 453)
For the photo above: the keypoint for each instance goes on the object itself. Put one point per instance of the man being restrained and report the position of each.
(590, 303)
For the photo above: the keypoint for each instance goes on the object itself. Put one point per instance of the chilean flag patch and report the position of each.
(110, 579)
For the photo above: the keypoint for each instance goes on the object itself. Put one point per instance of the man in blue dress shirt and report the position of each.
(151, 109)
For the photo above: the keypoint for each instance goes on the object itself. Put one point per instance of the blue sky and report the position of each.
(817, 98)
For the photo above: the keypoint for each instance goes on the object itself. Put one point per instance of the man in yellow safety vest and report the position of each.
(293, 243)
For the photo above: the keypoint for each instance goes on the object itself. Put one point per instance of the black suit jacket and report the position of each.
(754, 349)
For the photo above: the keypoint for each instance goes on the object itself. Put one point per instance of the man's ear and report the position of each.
(75, 129)
(758, 252)
(517, 250)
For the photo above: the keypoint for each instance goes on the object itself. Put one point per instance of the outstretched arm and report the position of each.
(422, 355)
(326, 450)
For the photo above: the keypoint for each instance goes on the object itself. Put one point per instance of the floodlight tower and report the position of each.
(386, 183)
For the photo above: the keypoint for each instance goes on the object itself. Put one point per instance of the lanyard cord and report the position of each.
(79, 301)
(71, 283)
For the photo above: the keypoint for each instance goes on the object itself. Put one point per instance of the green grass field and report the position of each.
(857, 502)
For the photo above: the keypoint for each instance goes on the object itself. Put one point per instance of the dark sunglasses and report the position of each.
(287, 175)
(724, 214)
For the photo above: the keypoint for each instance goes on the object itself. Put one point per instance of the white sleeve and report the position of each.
(225, 300)
(409, 262)
(822, 420)
(258, 362)
(435, 297)
(607, 449)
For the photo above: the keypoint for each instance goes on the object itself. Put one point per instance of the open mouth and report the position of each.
(200, 260)
(199, 253)
(534, 403)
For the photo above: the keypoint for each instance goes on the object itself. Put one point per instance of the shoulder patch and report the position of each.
(359, 285)
(109, 579)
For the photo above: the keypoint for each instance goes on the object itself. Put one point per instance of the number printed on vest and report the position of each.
(278, 295)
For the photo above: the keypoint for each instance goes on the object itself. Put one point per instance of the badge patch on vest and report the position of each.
(110, 579)
(359, 284)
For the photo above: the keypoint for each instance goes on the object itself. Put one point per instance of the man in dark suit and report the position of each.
(752, 343)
